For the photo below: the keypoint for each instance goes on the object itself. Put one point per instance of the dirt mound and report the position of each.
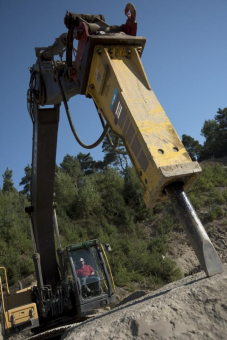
(192, 308)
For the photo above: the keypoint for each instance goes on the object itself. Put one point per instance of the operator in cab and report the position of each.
(84, 269)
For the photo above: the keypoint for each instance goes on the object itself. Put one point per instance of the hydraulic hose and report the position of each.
(91, 146)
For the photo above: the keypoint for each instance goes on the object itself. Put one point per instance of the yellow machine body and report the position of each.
(118, 85)
(18, 310)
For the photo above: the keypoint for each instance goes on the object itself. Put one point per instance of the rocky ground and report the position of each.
(192, 308)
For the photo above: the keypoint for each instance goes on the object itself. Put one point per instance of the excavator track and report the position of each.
(56, 333)
(51, 334)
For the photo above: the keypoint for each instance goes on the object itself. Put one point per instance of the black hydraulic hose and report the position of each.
(91, 146)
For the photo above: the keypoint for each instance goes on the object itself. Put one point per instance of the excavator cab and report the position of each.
(76, 294)
(88, 275)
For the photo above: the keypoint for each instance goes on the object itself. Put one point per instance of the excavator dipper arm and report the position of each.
(45, 128)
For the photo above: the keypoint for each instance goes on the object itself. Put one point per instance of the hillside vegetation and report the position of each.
(104, 200)
(109, 206)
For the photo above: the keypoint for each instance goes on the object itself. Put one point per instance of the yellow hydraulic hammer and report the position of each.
(121, 91)
(119, 87)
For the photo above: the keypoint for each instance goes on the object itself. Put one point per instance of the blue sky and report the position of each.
(184, 59)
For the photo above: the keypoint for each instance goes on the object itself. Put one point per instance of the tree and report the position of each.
(87, 163)
(88, 200)
(221, 119)
(26, 180)
(71, 166)
(133, 195)
(192, 146)
(215, 134)
(116, 157)
(8, 185)
(213, 141)
(64, 189)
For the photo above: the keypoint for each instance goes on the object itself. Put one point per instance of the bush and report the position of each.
(202, 184)
(197, 201)
(225, 195)
(215, 197)
(158, 208)
(133, 195)
(215, 212)
(163, 268)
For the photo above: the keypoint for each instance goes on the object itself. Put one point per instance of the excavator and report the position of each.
(105, 66)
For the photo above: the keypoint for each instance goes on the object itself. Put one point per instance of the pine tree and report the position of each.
(25, 181)
(8, 185)
(213, 141)
(71, 166)
(221, 119)
(117, 157)
(86, 162)
(192, 146)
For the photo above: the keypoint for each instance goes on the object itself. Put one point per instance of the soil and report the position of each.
(192, 308)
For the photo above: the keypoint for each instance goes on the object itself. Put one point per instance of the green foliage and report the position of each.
(196, 200)
(133, 195)
(104, 200)
(215, 197)
(65, 190)
(88, 200)
(215, 212)
(192, 146)
(162, 270)
(203, 183)
(8, 185)
(159, 243)
(214, 132)
(15, 241)
(25, 181)
(225, 194)
(110, 185)
(215, 174)
(211, 147)
(116, 157)
(158, 208)
(104, 205)
(205, 192)
(71, 166)
(87, 163)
